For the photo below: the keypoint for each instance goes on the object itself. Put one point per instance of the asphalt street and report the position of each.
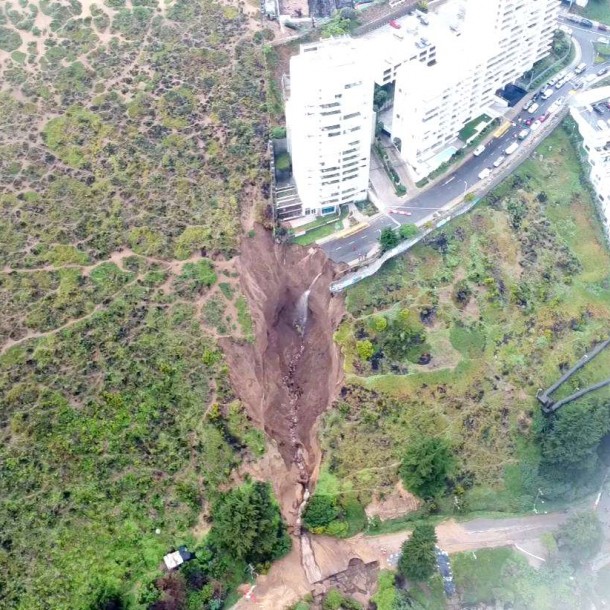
(458, 183)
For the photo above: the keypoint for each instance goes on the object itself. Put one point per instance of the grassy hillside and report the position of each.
(493, 306)
(132, 137)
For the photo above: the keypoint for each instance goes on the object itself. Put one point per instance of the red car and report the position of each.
(395, 24)
(543, 117)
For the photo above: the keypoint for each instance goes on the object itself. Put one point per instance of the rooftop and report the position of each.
(592, 106)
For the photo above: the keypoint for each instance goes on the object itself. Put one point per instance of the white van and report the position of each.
(546, 94)
(511, 149)
(499, 161)
(483, 174)
(532, 109)
(479, 150)
(580, 68)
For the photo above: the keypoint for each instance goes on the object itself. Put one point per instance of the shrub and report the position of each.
(277, 133)
(283, 162)
(365, 349)
(320, 511)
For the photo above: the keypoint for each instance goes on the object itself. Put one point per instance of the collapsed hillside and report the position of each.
(292, 371)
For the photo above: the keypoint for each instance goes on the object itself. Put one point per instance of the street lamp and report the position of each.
(465, 187)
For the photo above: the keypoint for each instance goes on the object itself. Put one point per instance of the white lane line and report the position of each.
(448, 181)
(528, 553)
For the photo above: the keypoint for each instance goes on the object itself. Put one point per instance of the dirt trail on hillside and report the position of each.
(293, 371)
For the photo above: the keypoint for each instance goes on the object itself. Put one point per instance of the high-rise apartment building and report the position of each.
(446, 67)
(330, 124)
(482, 45)
(591, 113)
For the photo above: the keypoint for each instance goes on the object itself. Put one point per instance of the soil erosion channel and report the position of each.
(292, 372)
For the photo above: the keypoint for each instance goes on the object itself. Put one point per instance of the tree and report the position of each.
(247, 524)
(425, 466)
(320, 511)
(570, 438)
(418, 560)
(388, 239)
(408, 231)
(365, 349)
(581, 536)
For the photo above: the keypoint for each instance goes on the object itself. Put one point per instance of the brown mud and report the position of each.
(293, 371)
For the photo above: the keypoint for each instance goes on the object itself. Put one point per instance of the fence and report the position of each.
(486, 186)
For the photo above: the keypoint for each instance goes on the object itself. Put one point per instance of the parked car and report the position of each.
(511, 149)
(395, 24)
(528, 104)
(523, 134)
(602, 71)
(478, 150)
(580, 68)
(499, 161)
(535, 125)
(546, 94)
(543, 117)
(484, 173)
(533, 108)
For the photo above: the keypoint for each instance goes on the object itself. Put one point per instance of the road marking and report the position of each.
(528, 553)
(448, 181)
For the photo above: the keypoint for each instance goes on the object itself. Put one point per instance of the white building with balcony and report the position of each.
(592, 115)
(480, 46)
(330, 118)
(446, 65)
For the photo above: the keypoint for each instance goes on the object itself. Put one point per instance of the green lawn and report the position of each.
(470, 128)
(597, 10)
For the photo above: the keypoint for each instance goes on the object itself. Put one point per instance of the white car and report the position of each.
(535, 125)
(479, 150)
(499, 161)
(484, 173)
(532, 109)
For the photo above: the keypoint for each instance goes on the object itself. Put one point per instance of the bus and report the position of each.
(498, 133)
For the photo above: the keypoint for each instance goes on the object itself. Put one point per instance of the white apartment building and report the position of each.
(330, 119)
(481, 46)
(446, 66)
(594, 127)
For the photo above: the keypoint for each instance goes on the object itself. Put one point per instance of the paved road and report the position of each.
(458, 183)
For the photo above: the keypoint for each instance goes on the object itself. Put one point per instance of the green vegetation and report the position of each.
(119, 428)
(388, 239)
(320, 228)
(342, 22)
(417, 557)
(581, 537)
(597, 10)
(503, 576)
(470, 130)
(562, 53)
(425, 466)
(502, 300)
(334, 509)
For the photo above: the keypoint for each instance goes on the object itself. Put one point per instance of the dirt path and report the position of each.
(287, 581)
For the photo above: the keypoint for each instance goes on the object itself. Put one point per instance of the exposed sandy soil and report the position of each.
(287, 379)
(397, 503)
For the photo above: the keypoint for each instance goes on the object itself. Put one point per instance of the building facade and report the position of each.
(330, 117)
(481, 46)
(592, 115)
(446, 67)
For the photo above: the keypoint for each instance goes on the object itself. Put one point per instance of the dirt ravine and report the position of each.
(293, 371)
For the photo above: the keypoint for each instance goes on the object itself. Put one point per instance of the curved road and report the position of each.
(422, 206)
